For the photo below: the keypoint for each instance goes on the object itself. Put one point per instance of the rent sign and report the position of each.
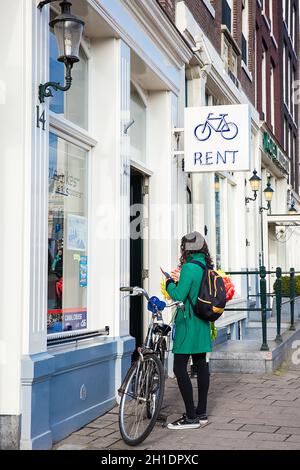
(217, 138)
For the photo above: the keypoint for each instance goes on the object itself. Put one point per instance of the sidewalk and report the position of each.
(245, 411)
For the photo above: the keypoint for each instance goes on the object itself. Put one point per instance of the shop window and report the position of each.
(73, 104)
(67, 237)
(138, 112)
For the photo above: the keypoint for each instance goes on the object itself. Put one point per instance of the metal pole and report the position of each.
(292, 298)
(262, 260)
(263, 301)
(278, 293)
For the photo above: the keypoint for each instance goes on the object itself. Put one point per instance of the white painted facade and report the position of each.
(124, 43)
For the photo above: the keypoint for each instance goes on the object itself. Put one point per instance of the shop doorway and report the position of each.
(137, 252)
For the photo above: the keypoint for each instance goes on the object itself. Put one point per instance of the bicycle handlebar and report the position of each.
(141, 291)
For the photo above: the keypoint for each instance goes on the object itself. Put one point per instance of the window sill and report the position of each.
(231, 40)
(266, 20)
(209, 7)
(247, 71)
(274, 40)
(63, 338)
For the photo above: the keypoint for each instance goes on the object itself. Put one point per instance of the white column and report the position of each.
(196, 97)
(110, 177)
(23, 195)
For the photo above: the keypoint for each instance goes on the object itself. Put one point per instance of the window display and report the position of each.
(67, 237)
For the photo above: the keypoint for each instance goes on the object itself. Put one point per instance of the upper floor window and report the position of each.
(245, 30)
(73, 104)
(138, 111)
(227, 14)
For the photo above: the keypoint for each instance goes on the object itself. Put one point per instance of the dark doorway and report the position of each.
(136, 254)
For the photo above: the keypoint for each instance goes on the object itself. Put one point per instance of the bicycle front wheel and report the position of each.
(141, 400)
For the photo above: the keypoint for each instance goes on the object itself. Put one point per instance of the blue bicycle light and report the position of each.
(155, 304)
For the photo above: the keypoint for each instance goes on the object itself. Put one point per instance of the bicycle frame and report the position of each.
(221, 119)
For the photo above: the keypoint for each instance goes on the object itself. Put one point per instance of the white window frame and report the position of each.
(76, 135)
(272, 79)
(264, 83)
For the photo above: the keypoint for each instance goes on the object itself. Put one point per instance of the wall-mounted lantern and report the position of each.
(255, 182)
(292, 210)
(68, 31)
(268, 194)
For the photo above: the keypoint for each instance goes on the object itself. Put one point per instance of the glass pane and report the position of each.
(138, 130)
(67, 237)
(72, 104)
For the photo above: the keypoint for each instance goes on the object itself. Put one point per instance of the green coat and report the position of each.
(193, 335)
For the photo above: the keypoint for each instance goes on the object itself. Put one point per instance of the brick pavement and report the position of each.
(245, 411)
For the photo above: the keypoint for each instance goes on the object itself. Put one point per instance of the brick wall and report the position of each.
(169, 7)
(210, 26)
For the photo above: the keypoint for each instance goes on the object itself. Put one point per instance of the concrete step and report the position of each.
(245, 356)
(253, 330)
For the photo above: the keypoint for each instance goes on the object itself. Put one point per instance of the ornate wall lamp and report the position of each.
(292, 210)
(255, 182)
(268, 194)
(68, 31)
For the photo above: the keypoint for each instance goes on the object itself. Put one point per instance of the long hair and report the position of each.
(194, 243)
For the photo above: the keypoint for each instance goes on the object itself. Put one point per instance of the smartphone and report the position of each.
(167, 275)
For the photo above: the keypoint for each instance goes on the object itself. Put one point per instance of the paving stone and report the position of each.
(264, 436)
(71, 447)
(259, 428)
(105, 442)
(294, 438)
(84, 431)
(103, 432)
(77, 440)
(287, 430)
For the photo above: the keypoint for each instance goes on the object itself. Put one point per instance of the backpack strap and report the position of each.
(203, 266)
(198, 263)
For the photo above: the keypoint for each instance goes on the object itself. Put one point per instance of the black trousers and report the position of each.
(185, 384)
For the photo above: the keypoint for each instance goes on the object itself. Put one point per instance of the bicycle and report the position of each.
(228, 130)
(142, 389)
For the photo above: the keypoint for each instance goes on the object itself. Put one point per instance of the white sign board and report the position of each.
(217, 138)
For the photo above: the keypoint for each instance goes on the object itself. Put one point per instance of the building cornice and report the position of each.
(161, 30)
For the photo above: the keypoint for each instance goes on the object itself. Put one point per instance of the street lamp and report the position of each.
(68, 31)
(268, 194)
(292, 210)
(255, 182)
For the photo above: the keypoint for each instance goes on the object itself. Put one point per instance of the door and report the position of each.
(136, 253)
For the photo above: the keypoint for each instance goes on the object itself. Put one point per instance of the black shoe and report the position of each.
(202, 418)
(184, 423)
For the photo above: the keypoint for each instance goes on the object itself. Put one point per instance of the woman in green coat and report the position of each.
(192, 335)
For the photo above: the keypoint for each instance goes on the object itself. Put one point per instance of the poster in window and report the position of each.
(77, 233)
(83, 271)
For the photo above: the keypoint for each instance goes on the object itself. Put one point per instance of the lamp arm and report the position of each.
(248, 199)
(45, 2)
(261, 209)
(44, 89)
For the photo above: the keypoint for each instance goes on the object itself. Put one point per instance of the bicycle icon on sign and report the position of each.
(228, 130)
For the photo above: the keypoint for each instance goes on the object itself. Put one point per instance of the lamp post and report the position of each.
(268, 194)
(68, 31)
(255, 182)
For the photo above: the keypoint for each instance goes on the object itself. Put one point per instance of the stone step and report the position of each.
(253, 330)
(245, 356)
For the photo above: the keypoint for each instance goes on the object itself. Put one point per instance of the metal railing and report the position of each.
(263, 294)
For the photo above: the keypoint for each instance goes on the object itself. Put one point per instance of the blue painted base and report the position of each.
(69, 386)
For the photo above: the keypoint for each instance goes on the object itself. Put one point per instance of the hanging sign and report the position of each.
(217, 138)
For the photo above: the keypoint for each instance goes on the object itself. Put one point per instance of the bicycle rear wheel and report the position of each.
(141, 399)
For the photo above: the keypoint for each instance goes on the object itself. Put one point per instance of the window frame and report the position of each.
(80, 137)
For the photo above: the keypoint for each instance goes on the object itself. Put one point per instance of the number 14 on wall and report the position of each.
(40, 118)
